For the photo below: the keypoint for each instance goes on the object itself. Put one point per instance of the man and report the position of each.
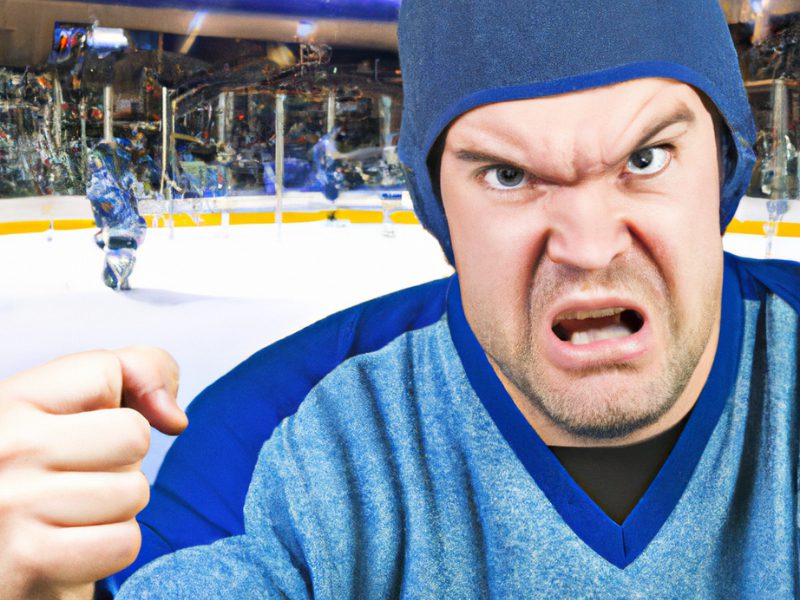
(607, 405)
(600, 404)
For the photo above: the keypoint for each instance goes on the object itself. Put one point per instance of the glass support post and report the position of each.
(58, 101)
(108, 114)
(331, 112)
(778, 202)
(221, 116)
(280, 125)
(84, 141)
(386, 120)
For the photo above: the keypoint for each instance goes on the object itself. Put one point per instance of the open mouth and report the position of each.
(586, 326)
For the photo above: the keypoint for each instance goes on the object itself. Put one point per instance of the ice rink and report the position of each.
(212, 295)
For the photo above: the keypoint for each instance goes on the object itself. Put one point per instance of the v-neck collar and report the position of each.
(619, 544)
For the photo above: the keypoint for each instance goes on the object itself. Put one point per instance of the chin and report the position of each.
(609, 406)
(606, 402)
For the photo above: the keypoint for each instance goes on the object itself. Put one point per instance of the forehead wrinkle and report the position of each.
(642, 127)
(566, 151)
(493, 139)
(542, 155)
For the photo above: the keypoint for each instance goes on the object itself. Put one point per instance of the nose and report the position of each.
(588, 228)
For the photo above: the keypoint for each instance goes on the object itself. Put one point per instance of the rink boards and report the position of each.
(37, 214)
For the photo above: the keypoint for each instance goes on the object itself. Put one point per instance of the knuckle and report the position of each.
(155, 353)
(129, 495)
(14, 388)
(110, 382)
(124, 545)
(136, 486)
(141, 490)
(134, 435)
(168, 361)
(157, 362)
(19, 445)
(13, 503)
(10, 450)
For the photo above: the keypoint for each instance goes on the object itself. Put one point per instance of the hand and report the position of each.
(70, 456)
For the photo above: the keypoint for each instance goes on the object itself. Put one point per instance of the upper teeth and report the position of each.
(591, 314)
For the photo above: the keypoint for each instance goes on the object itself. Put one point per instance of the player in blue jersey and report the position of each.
(599, 404)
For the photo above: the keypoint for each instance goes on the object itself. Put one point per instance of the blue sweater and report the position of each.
(409, 472)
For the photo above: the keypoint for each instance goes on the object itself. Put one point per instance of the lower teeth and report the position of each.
(611, 332)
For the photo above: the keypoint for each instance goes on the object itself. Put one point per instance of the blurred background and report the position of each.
(211, 176)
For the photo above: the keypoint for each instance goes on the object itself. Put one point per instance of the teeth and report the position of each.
(611, 332)
(591, 314)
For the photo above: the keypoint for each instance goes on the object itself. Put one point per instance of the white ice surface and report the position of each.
(212, 295)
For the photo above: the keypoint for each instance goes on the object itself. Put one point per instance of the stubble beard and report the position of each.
(579, 406)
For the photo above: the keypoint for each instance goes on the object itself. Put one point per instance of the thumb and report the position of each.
(150, 386)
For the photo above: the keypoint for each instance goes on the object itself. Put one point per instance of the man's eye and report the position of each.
(648, 161)
(504, 178)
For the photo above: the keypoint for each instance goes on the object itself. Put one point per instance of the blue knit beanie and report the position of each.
(459, 54)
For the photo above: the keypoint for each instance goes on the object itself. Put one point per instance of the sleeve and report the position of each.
(267, 561)
(324, 513)
(237, 567)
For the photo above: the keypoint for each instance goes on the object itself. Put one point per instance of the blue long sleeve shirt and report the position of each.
(408, 472)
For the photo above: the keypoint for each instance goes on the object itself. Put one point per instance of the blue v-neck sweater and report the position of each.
(408, 472)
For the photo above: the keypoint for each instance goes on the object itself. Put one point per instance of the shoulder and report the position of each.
(769, 276)
(370, 411)
(284, 372)
(334, 465)
(202, 483)
(375, 392)
(270, 385)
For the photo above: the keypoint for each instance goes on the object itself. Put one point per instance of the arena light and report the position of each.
(107, 39)
(759, 6)
(306, 30)
(194, 30)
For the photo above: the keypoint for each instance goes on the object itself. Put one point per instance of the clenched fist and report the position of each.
(72, 437)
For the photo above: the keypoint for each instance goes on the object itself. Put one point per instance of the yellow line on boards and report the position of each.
(24, 227)
(359, 216)
(786, 229)
(400, 217)
(68, 224)
(404, 217)
(268, 217)
(305, 217)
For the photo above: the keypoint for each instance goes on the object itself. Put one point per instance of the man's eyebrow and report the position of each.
(483, 157)
(681, 114)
